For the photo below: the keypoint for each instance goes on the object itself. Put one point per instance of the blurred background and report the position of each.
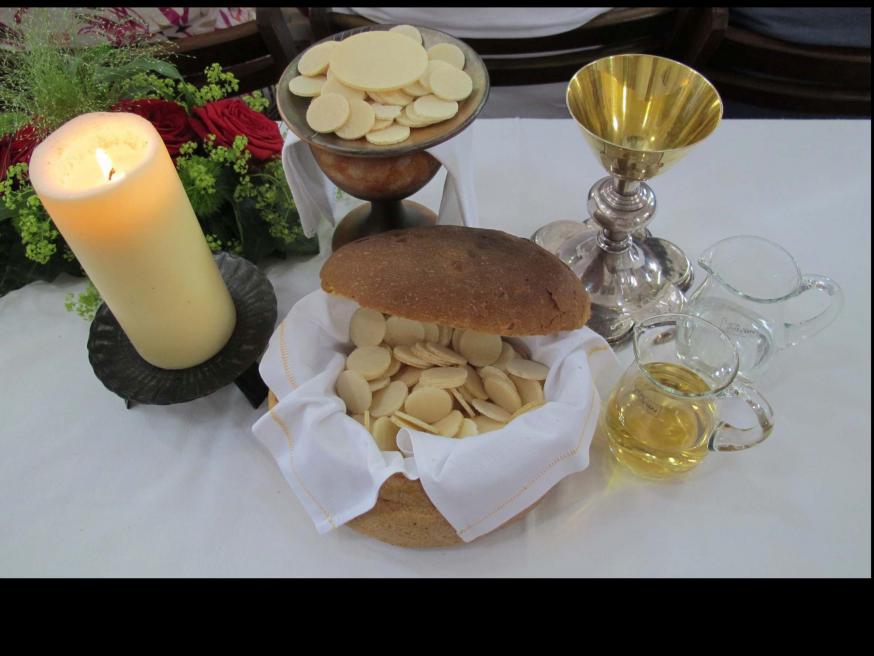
(766, 62)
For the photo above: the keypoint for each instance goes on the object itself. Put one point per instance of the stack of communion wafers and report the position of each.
(379, 85)
(452, 382)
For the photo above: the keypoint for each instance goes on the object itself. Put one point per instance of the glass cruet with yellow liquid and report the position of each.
(663, 416)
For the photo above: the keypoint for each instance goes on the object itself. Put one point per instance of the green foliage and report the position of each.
(29, 218)
(85, 304)
(51, 73)
(256, 101)
(50, 76)
(205, 183)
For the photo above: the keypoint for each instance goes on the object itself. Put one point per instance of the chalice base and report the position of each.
(381, 216)
(626, 286)
(673, 262)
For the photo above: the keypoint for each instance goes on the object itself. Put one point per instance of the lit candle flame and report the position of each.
(105, 163)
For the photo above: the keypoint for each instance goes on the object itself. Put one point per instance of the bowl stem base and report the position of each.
(381, 216)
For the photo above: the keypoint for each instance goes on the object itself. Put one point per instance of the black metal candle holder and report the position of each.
(123, 371)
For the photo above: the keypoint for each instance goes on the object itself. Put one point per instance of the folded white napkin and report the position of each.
(336, 469)
(315, 195)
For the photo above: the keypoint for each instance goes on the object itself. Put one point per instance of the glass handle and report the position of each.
(727, 437)
(795, 332)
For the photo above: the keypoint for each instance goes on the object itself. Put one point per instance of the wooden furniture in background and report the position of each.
(752, 68)
(256, 52)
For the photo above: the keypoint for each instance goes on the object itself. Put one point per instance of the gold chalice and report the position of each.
(640, 114)
(383, 175)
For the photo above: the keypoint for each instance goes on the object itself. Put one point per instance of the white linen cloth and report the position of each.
(335, 468)
(315, 195)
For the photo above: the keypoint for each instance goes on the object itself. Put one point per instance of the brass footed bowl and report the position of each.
(383, 175)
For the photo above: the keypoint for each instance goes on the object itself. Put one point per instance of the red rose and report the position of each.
(16, 148)
(169, 119)
(231, 117)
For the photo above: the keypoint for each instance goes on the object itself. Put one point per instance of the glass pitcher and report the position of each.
(748, 282)
(664, 415)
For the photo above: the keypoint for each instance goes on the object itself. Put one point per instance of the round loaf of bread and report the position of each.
(471, 278)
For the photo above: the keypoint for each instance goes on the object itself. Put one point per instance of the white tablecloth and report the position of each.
(88, 488)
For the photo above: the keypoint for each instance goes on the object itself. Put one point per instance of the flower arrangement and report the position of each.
(226, 150)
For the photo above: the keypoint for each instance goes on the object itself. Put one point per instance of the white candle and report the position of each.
(111, 188)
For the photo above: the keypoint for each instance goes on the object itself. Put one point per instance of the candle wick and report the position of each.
(111, 171)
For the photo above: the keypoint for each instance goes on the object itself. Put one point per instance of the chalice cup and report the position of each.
(383, 175)
(640, 114)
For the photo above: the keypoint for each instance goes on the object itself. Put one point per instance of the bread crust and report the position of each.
(470, 278)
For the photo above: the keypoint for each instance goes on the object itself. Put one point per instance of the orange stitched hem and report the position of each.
(542, 473)
(288, 438)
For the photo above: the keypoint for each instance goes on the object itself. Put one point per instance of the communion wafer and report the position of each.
(379, 383)
(447, 355)
(387, 136)
(428, 404)
(405, 420)
(447, 52)
(360, 121)
(507, 354)
(480, 349)
(393, 367)
(315, 60)
(527, 408)
(527, 369)
(370, 361)
(307, 87)
(432, 107)
(409, 118)
(462, 402)
(530, 391)
(474, 384)
(466, 395)
(468, 428)
(367, 327)
(421, 121)
(486, 424)
(393, 98)
(408, 375)
(432, 332)
(492, 371)
(503, 393)
(359, 418)
(335, 86)
(385, 112)
(354, 391)
(389, 400)
(367, 419)
(405, 354)
(432, 66)
(385, 434)
(450, 84)
(444, 377)
(416, 89)
(378, 61)
(456, 335)
(450, 424)
(421, 351)
(408, 30)
(491, 410)
(403, 332)
(327, 112)
(445, 335)
(380, 124)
